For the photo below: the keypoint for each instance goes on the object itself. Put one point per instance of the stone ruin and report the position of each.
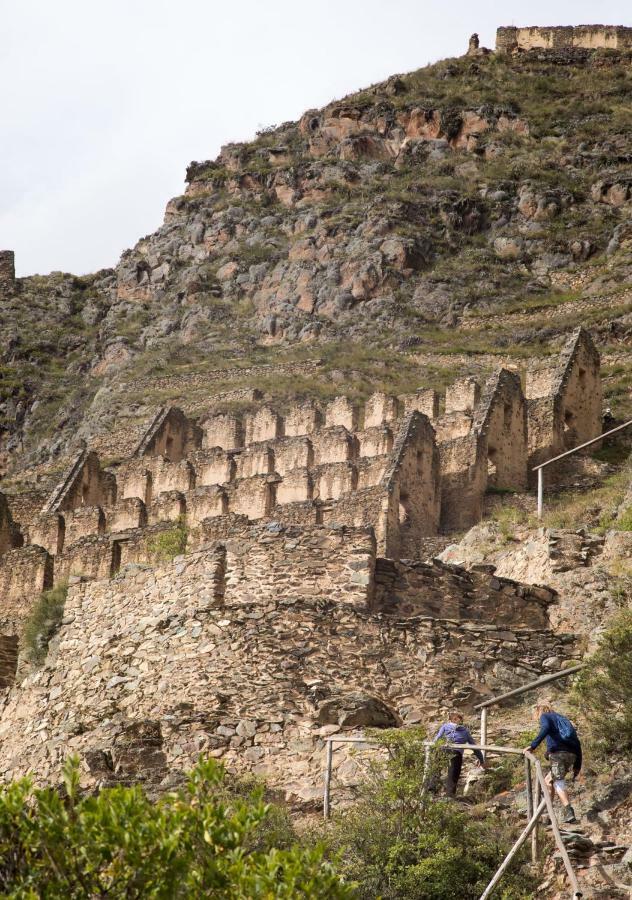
(411, 467)
(311, 520)
(563, 37)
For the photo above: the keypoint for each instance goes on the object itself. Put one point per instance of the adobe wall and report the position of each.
(591, 37)
(266, 637)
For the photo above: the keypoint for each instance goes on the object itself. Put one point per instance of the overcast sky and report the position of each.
(105, 102)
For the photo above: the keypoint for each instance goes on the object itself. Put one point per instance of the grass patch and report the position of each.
(171, 543)
(596, 508)
(43, 623)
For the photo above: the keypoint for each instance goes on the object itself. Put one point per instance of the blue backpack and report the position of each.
(565, 727)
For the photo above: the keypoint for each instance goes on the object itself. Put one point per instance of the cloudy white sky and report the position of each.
(104, 102)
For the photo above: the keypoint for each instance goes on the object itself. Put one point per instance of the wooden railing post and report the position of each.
(535, 849)
(533, 821)
(328, 767)
(556, 831)
(483, 727)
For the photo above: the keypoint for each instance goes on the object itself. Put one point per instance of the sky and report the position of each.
(105, 102)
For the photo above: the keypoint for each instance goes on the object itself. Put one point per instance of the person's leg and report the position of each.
(454, 773)
(561, 764)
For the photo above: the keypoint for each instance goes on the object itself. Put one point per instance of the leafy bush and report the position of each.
(603, 691)
(170, 543)
(120, 845)
(624, 520)
(401, 842)
(43, 623)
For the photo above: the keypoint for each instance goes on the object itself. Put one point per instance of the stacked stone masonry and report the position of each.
(401, 465)
(244, 647)
(589, 37)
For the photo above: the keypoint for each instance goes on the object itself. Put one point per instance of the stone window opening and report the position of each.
(169, 447)
(85, 492)
(507, 416)
(582, 377)
(404, 514)
(569, 419)
(115, 565)
(149, 489)
(61, 535)
(492, 462)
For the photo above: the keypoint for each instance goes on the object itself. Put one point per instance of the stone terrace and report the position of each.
(409, 467)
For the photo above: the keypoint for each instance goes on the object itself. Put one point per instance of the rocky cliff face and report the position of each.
(481, 191)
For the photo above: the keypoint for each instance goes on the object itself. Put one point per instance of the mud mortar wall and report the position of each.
(233, 649)
(591, 37)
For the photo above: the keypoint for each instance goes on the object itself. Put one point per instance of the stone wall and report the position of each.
(409, 588)
(9, 535)
(564, 401)
(7, 273)
(24, 574)
(386, 465)
(243, 649)
(591, 37)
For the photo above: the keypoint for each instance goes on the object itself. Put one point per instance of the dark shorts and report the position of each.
(562, 762)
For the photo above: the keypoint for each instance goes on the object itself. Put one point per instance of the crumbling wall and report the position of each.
(10, 536)
(171, 434)
(260, 633)
(502, 418)
(591, 37)
(85, 484)
(24, 574)
(414, 588)
(412, 484)
(463, 481)
(564, 401)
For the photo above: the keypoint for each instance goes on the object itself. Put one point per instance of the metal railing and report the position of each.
(540, 469)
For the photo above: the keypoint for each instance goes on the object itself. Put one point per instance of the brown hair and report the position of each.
(454, 714)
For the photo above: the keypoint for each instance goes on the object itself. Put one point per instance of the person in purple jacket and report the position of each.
(454, 732)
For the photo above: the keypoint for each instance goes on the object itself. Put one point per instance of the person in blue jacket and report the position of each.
(563, 750)
(454, 732)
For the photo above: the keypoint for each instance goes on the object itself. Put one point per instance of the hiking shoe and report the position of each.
(569, 815)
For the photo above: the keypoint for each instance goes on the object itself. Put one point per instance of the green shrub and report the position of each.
(624, 520)
(400, 843)
(190, 844)
(43, 622)
(170, 543)
(603, 691)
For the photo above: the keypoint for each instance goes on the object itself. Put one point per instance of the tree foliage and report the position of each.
(400, 842)
(603, 692)
(198, 842)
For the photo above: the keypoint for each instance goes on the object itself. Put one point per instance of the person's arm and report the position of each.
(545, 727)
(477, 753)
(441, 733)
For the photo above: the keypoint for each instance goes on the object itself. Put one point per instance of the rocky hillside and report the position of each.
(464, 214)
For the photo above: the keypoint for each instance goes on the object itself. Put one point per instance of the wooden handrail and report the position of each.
(545, 679)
